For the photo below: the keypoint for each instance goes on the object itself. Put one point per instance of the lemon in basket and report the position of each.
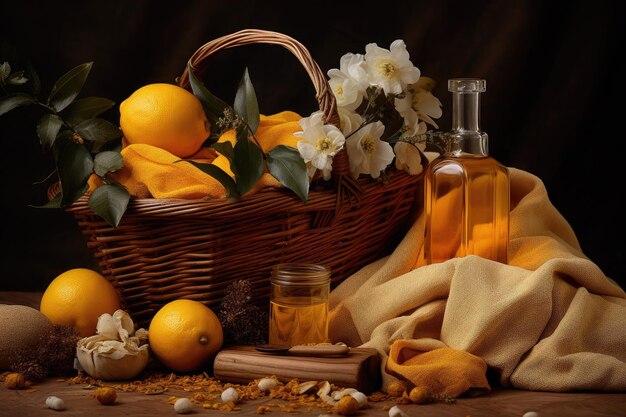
(185, 334)
(77, 298)
(166, 116)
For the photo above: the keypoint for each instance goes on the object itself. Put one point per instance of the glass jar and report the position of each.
(299, 304)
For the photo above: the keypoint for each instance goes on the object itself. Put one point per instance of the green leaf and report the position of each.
(213, 138)
(110, 201)
(98, 130)
(5, 70)
(9, 103)
(74, 165)
(213, 106)
(247, 163)
(30, 71)
(85, 109)
(226, 149)
(219, 174)
(48, 129)
(246, 104)
(68, 86)
(54, 203)
(17, 78)
(107, 161)
(114, 145)
(288, 167)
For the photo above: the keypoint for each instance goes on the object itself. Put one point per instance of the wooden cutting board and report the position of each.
(358, 369)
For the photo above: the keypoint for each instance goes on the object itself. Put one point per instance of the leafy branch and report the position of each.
(82, 143)
(247, 160)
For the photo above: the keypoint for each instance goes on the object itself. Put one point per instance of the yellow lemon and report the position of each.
(166, 116)
(77, 298)
(184, 334)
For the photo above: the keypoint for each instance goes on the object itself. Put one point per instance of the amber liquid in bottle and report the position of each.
(466, 191)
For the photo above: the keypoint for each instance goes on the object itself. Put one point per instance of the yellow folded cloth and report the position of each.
(276, 129)
(436, 370)
(549, 320)
(273, 130)
(153, 172)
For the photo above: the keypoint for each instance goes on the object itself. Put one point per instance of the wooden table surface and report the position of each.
(500, 402)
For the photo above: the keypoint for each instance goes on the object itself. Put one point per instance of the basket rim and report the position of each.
(264, 200)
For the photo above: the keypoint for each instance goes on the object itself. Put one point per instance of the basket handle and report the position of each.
(325, 98)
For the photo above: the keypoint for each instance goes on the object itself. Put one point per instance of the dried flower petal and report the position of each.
(306, 387)
(113, 353)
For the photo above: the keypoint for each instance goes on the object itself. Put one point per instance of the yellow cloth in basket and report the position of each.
(550, 320)
(151, 171)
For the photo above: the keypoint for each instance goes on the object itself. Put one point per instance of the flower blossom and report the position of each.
(367, 153)
(419, 105)
(319, 143)
(409, 157)
(349, 82)
(391, 69)
(349, 120)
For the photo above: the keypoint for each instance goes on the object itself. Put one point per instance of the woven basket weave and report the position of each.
(165, 249)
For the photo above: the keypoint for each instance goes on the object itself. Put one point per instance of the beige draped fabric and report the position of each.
(549, 320)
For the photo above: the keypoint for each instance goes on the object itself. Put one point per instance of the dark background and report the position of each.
(552, 75)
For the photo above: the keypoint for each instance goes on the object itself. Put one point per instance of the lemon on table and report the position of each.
(184, 334)
(77, 298)
(166, 116)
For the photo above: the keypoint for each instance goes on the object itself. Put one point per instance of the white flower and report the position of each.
(348, 83)
(418, 104)
(411, 121)
(409, 157)
(349, 120)
(367, 153)
(424, 103)
(353, 65)
(319, 143)
(390, 69)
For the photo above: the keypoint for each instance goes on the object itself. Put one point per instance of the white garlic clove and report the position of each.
(92, 342)
(107, 326)
(327, 399)
(360, 398)
(126, 322)
(183, 406)
(55, 403)
(324, 389)
(142, 335)
(267, 384)
(395, 411)
(230, 395)
(306, 386)
(337, 395)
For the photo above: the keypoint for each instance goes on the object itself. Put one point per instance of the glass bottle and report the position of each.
(299, 304)
(466, 190)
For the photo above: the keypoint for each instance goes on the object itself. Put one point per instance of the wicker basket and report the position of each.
(169, 249)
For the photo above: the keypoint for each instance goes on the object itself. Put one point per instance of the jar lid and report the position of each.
(300, 274)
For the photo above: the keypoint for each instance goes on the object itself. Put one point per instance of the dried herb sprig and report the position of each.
(242, 321)
(54, 354)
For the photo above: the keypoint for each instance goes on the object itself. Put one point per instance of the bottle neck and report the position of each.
(466, 111)
(466, 138)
